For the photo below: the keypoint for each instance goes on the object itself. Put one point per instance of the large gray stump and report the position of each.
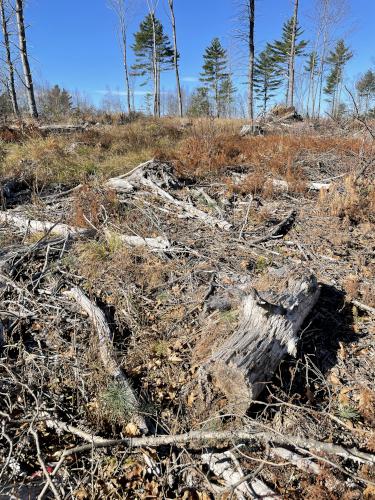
(268, 330)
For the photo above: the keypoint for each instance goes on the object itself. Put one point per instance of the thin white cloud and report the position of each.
(123, 93)
(112, 92)
(191, 79)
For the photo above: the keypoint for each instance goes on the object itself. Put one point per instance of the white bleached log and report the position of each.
(35, 226)
(157, 243)
(301, 462)
(225, 466)
(283, 186)
(152, 175)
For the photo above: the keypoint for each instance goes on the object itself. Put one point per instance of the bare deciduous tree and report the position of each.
(329, 14)
(251, 18)
(291, 78)
(10, 77)
(25, 59)
(245, 24)
(121, 10)
(175, 56)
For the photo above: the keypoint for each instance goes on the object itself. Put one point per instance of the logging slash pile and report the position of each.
(171, 333)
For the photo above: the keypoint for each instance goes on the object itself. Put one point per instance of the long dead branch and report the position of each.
(202, 439)
(106, 350)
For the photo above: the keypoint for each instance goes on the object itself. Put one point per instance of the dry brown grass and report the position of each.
(212, 153)
(355, 199)
(198, 148)
(91, 205)
(102, 152)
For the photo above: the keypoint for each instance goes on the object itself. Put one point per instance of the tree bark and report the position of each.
(291, 77)
(267, 331)
(251, 60)
(126, 69)
(9, 62)
(25, 59)
(175, 57)
(155, 71)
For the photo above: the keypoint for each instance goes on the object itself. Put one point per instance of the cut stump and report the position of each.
(267, 331)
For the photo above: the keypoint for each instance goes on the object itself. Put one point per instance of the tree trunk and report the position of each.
(154, 63)
(9, 62)
(310, 95)
(291, 76)
(125, 62)
(159, 92)
(251, 60)
(25, 60)
(217, 100)
(267, 331)
(175, 58)
(322, 63)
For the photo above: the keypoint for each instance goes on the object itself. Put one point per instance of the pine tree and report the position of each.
(153, 55)
(337, 60)
(267, 77)
(282, 49)
(56, 103)
(311, 69)
(199, 103)
(215, 72)
(366, 88)
(226, 96)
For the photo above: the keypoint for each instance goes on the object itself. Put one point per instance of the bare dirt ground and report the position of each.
(119, 282)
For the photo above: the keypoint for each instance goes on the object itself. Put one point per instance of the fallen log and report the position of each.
(36, 226)
(225, 466)
(62, 128)
(301, 462)
(267, 331)
(279, 230)
(106, 352)
(154, 244)
(283, 186)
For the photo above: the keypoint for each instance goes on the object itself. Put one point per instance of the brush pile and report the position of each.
(166, 335)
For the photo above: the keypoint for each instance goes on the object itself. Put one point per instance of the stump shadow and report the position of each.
(328, 327)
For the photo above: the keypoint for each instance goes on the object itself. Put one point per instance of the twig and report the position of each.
(281, 229)
(42, 464)
(246, 217)
(364, 307)
(358, 116)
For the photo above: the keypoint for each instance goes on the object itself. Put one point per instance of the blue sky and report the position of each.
(73, 42)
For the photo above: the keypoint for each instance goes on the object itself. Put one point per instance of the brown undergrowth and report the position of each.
(164, 326)
(354, 199)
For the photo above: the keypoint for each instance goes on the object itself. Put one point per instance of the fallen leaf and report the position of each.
(81, 494)
(191, 398)
(175, 359)
(333, 379)
(131, 429)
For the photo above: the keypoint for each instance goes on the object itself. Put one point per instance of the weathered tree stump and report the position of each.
(267, 331)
